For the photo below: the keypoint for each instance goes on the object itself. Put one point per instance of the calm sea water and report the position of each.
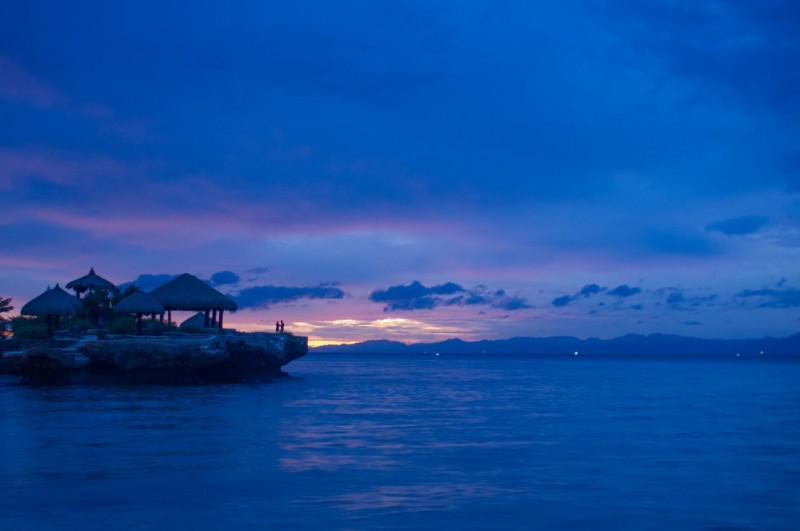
(419, 442)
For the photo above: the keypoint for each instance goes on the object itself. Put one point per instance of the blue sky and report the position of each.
(414, 170)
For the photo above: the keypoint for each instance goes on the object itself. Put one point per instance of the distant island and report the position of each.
(628, 345)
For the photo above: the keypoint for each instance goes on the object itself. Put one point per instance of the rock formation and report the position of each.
(176, 360)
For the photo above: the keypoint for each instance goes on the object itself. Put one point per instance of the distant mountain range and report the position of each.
(628, 345)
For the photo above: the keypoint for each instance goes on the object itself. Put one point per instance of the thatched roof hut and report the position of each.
(51, 305)
(139, 303)
(188, 293)
(90, 281)
(52, 302)
(198, 320)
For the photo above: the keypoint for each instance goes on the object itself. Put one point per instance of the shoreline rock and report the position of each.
(226, 358)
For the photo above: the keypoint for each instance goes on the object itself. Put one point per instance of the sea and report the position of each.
(415, 442)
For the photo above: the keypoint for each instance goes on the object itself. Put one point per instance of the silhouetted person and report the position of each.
(281, 326)
(277, 327)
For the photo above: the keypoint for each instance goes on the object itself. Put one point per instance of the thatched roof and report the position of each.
(54, 301)
(187, 292)
(92, 280)
(198, 320)
(139, 302)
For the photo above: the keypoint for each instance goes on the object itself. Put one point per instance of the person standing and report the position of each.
(282, 326)
(277, 327)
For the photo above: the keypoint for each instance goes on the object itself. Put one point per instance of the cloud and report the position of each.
(624, 291)
(18, 85)
(772, 298)
(589, 290)
(679, 300)
(585, 292)
(22, 166)
(221, 278)
(417, 296)
(738, 226)
(265, 296)
(562, 301)
(746, 49)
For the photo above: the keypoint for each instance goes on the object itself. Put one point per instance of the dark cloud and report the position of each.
(221, 278)
(562, 301)
(678, 299)
(585, 292)
(265, 296)
(417, 296)
(414, 296)
(740, 49)
(589, 290)
(511, 303)
(772, 298)
(738, 226)
(624, 291)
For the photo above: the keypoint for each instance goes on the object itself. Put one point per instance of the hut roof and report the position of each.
(187, 292)
(139, 302)
(54, 301)
(198, 320)
(92, 280)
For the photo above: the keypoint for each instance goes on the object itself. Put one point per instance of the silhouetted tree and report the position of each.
(97, 305)
(5, 306)
(118, 294)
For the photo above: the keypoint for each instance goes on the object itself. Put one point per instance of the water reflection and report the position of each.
(408, 443)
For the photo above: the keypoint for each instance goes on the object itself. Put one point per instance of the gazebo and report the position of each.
(91, 281)
(52, 304)
(188, 293)
(139, 303)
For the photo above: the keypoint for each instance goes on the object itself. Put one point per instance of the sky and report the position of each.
(413, 170)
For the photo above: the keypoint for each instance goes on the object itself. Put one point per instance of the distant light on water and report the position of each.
(576, 352)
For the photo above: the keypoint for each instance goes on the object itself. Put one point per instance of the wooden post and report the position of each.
(169, 317)
(139, 323)
(205, 325)
(220, 319)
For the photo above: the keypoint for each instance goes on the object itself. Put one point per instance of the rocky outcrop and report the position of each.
(226, 358)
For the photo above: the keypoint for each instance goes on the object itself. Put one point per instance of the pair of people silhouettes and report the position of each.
(279, 327)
